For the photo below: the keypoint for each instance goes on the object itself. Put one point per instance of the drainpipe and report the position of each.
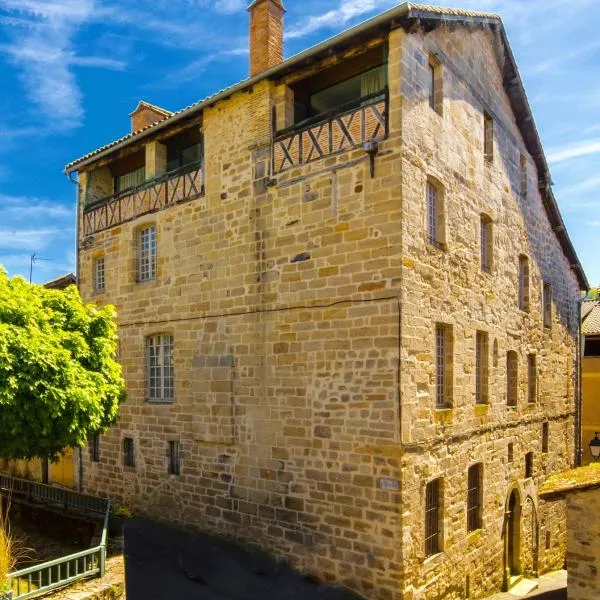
(77, 199)
(578, 392)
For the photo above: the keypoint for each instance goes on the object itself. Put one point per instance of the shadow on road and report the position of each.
(165, 563)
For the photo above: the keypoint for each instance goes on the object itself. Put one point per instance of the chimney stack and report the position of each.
(266, 35)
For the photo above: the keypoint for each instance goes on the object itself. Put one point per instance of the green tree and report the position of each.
(59, 380)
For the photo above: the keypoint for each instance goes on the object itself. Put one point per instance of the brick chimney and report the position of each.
(266, 35)
(147, 114)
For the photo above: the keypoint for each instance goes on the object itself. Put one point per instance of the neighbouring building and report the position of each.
(590, 374)
(581, 488)
(347, 309)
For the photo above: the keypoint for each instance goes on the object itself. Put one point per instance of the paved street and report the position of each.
(552, 586)
(165, 563)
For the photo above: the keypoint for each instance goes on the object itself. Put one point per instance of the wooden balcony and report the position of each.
(167, 190)
(349, 127)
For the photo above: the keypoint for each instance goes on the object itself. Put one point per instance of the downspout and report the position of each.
(77, 199)
(578, 391)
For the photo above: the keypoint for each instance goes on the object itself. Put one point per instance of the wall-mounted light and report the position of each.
(595, 447)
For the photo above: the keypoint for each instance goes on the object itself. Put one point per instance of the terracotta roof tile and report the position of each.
(591, 318)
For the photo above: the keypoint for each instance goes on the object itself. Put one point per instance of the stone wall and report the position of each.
(583, 547)
(303, 313)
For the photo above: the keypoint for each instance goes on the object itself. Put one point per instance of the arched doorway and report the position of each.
(513, 569)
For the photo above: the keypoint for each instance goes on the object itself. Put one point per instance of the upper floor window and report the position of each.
(531, 378)
(434, 81)
(545, 437)
(435, 214)
(433, 517)
(130, 179)
(523, 167)
(443, 365)
(99, 274)
(481, 367)
(512, 378)
(486, 243)
(146, 249)
(488, 137)
(524, 283)
(184, 149)
(159, 357)
(475, 497)
(529, 465)
(547, 304)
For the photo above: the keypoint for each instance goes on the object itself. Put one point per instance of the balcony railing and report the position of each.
(348, 127)
(166, 190)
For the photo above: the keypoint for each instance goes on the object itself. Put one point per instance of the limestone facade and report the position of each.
(303, 307)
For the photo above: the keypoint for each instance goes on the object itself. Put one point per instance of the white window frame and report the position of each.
(160, 368)
(146, 253)
(99, 274)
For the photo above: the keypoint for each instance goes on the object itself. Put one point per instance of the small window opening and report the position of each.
(433, 518)
(529, 465)
(512, 378)
(128, 452)
(524, 283)
(532, 378)
(545, 437)
(481, 367)
(444, 362)
(474, 497)
(174, 458)
(488, 137)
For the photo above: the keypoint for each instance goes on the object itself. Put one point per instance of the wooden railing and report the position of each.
(349, 127)
(168, 189)
(40, 579)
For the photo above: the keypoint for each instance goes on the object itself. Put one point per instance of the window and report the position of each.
(529, 465)
(474, 497)
(512, 378)
(99, 278)
(174, 458)
(435, 215)
(524, 283)
(433, 517)
(184, 149)
(443, 363)
(434, 81)
(147, 253)
(486, 243)
(545, 437)
(531, 378)
(95, 448)
(130, 179)
(159, 357)
(523, 165)
(488, 137)
(547, 302)
(128, 452)
(592, 346)
(481, 367)
(511, 452)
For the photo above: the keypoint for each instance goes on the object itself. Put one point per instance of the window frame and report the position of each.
(475, 497)
(160, 367)
(488, 137)
(99, 269)
(532, 387)
(482, 367)
(174, 456)
(95, 448)
(147, 250)
(435, 225)
(433, 517)
(512, 378)
(547, 304)
(524, 283)
(128, 447)
(486, 243)
(443, 366)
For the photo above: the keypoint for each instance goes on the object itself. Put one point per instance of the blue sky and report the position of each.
(72, 70)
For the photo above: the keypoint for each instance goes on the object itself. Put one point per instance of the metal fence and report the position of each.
(41, 579)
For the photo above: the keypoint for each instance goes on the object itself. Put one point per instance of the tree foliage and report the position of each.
(59, 380)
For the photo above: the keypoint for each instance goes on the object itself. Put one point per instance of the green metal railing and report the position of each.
(43, 578)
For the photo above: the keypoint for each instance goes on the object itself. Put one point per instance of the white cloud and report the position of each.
(576, 150)
(32, 209)
(33, 240)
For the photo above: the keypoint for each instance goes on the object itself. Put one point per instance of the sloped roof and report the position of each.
(590, 314)
(62, 282)
(583, 478)
(398, 16)
(153, 107)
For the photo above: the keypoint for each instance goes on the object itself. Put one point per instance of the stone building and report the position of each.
(581, 488)
(590, 374)
(347, 308)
